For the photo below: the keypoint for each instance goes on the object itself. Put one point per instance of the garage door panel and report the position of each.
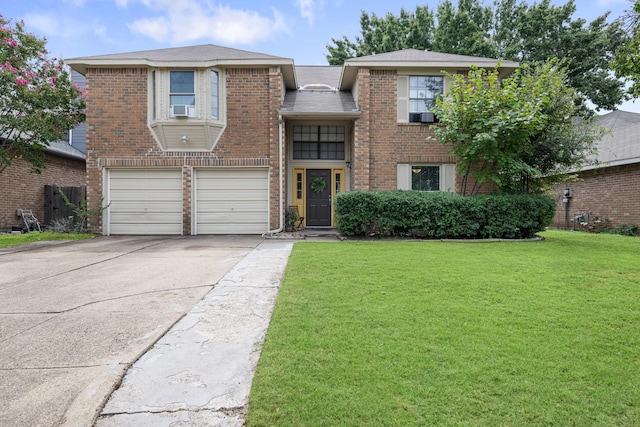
(145, 201)
(152, 217)
(235, 194)
(234, 201)
(147, 228)
(243, 184)
(146, 196)
(237, 205)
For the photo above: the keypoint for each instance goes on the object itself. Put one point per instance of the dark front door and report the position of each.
(318, 211)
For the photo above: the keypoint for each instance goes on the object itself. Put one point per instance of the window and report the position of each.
(423, 92)
(214, 95)
(182, 88)
(425, 178)
(318, 142)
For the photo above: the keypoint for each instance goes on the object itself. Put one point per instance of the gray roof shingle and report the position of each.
(205, 52)
(622, 145)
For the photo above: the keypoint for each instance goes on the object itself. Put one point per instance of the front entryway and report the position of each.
(318, 191)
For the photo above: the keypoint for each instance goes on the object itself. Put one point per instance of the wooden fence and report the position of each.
(54, 205)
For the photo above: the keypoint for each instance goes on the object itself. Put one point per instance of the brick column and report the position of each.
(187, 185)
(361, 155)
(275, 101)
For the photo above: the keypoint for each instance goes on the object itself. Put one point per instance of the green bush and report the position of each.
(441, 215)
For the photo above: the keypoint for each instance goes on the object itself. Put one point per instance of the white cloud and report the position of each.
(608, 3)
(306, 9)
(44, 23)
(74, 3)
(182, 21)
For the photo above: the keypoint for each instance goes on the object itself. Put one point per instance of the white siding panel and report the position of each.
(145, 201)
(232, 201)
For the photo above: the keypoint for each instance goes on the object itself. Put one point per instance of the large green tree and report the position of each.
(515, 131)
(38, 101)
(512, 30)
(387, 34)
(627, 59)
(470, 19)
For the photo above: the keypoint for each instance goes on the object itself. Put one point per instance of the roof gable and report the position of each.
(207, 55)
(414, 59)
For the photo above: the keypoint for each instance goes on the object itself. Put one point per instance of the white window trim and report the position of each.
(159, 95)
(447, 175)
(403, 92)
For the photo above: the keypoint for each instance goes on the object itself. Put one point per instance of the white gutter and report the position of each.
(280, 163)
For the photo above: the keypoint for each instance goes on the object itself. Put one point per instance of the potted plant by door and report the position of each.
(290, 218)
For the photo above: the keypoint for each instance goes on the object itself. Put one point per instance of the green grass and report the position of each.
(21, 239)
(441, 333)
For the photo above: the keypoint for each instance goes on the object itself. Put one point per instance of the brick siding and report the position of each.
(21, 189)
(381, 143)
(611, 194)
(118, 136)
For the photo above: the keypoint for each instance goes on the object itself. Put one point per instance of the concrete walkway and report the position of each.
(200, 372)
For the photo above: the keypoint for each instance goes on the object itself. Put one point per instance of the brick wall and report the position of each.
(381, 143)
(21, 189)
(118, 136)
(610, 194)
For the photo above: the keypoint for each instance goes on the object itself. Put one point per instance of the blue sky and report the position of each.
(297, 29)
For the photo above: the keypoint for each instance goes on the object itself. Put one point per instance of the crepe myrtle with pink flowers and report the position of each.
(39, 103)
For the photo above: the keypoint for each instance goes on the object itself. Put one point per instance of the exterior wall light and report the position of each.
(184, 139)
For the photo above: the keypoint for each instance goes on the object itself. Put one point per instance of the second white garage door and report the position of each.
(231, 201)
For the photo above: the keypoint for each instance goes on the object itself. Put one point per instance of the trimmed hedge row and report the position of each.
(442, 215)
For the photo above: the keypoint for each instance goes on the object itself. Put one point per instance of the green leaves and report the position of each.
(513, 30)
(522, 126)
(38, 102)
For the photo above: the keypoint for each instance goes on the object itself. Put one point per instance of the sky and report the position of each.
(296, 29)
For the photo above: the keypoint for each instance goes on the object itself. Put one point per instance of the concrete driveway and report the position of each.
(74, 316)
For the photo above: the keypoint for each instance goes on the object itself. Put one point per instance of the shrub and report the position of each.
(441, 215)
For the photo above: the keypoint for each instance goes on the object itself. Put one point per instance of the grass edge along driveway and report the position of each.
(440, 333)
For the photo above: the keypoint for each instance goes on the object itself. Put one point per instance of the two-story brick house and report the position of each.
(212, 140)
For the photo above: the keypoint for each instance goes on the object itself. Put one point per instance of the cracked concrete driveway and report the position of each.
(75, 316)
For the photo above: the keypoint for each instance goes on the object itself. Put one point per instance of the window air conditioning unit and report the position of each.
(427, 117)
(180, 111)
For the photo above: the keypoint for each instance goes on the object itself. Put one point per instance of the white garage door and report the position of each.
(145, 201)
(231, 201)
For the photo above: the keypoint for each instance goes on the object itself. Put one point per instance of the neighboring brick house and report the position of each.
(22, 189)
(65, 167)
(609, 189)
(212, 140)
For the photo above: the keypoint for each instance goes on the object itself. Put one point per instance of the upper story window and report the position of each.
(423, 92)
(182, 88)
(318, 142)
(214, 96)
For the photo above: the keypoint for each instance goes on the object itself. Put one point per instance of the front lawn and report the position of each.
(21, 239)
(440, 333)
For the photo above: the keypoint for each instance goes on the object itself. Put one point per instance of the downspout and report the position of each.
(280, 165)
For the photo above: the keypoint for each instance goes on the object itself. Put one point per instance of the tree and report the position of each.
(513, 130)
(391, 33)
(38, 101)
(472, 20)
(626, 62)
(510, 30)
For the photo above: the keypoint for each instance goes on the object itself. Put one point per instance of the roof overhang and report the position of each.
(349, 115)
(286, 65)
(350, 70)
(610, 164)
